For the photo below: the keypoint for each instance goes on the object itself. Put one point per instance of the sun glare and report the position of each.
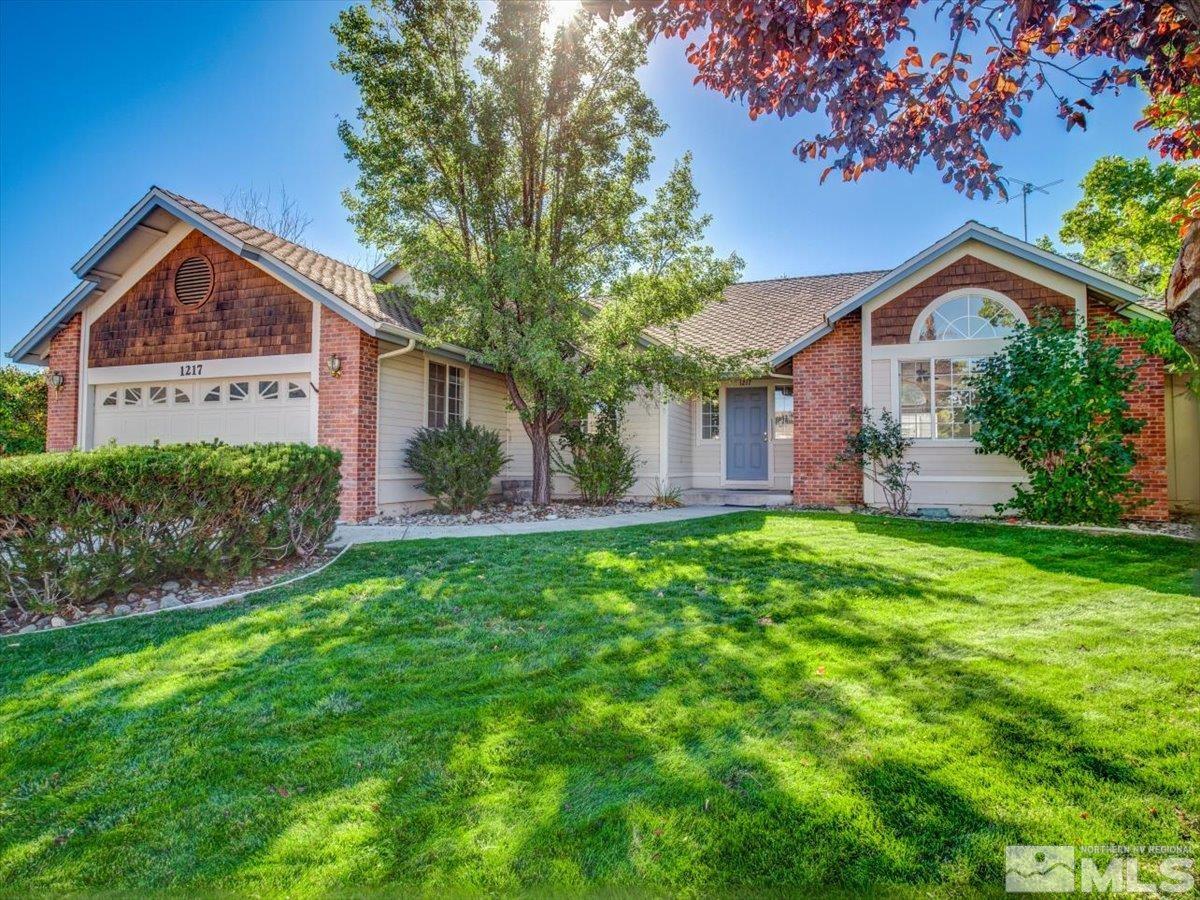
(559, 12)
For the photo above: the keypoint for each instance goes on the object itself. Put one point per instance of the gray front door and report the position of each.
(746, 434)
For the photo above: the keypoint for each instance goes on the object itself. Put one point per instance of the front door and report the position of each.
(746, 434)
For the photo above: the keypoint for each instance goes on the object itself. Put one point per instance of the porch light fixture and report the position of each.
(335, 365)
(57, 380)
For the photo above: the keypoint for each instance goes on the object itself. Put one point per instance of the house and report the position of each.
(188, 324)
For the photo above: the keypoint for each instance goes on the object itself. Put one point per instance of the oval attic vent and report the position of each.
(193, 281)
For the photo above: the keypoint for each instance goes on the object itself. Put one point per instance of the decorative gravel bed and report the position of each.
(168, 595)
(501, 513)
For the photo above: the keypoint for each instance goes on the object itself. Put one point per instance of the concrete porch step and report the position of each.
(732, 497)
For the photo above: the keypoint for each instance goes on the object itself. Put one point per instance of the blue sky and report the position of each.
(100, 100)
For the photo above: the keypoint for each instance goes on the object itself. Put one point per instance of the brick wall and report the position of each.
(893, 323)
(62, 407)
(249, 313)
(826, 383)
(347, 411)
(1148, 402)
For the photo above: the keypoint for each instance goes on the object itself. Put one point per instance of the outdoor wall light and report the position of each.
(57, 380)
(335, 365)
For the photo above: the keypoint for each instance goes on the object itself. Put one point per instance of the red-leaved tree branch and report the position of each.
(889, 104)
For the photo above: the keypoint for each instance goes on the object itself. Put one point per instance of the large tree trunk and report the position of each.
(539, 439)
(1183, 293)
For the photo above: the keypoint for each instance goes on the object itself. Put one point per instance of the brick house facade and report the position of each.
(287, 344)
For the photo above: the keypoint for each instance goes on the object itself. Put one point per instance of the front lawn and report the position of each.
(756, 699)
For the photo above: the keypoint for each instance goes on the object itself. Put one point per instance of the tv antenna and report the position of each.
(1027, 188)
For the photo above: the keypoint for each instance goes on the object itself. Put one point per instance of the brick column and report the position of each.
(826, 383)
(347, 414)
(1147, 401)
(62, 405)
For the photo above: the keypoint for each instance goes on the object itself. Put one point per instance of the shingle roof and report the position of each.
(767, 315)
(350, 284)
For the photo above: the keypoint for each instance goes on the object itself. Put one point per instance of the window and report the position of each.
(296, 391)
(182, 396)
(970, 317)
(213, 395)
(710, 418)
(447, 395)
(110, 399)
(783, 413)
(268, 390)
(133, 396)
(238, 391)
(158, 395)
(934, 396)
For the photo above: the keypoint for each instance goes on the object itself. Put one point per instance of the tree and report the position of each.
(1127, 221)
(511, 195)
(1054, 400)
(22, 411)
(279, 214)
(886, 106)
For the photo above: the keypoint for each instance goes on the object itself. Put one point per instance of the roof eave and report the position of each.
(22, 351)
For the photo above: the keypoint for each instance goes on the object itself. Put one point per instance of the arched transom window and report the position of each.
(966, 317)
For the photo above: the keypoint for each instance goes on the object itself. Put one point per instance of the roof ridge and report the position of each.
(181, 198)
(817, 275)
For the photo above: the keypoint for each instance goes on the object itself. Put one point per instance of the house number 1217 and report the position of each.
(190, 369)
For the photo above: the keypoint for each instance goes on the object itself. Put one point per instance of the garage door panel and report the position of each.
(234, 410)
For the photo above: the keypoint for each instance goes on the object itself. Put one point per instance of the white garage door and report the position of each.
(246, 410)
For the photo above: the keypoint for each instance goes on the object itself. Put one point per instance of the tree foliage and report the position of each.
(889, 102)
(1127, 221)
(22, 411)
(597, 459)
(511, 193)
(1054, 401)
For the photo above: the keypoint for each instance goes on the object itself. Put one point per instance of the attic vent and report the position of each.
(193, 281)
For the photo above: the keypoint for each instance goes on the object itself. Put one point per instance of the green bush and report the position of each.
(457, 463)
(22, 411)
(601, 466)
(878, 450)
(1054, 400)
(78, 526)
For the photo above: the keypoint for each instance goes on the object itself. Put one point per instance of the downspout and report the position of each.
(407, 348)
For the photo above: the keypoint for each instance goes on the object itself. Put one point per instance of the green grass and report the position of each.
(757, 699)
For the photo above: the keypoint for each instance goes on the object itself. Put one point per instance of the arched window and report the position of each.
(966, 317)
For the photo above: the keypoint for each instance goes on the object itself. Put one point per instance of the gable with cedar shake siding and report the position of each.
(289, 344)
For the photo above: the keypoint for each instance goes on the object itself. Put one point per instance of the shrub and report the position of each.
(22, 411)
(78, 526)
(601, 466)
(1054, 400)
(457, 463)
(878, 449)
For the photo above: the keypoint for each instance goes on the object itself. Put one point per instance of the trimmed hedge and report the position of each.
(78, 526)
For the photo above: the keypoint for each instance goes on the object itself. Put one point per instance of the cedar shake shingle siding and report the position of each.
(893, 322)
(250, 313)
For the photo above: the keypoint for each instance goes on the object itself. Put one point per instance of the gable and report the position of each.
(249, 313)
(892, 323)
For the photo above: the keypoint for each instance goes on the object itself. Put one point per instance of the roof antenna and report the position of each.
(1027, 188)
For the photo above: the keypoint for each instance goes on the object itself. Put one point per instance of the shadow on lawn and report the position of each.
(656, 713)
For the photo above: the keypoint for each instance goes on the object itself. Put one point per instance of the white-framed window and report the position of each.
(213, 395)
(934, 396)
(110, 399)
(783, 412)
(710, 417)
(158, 395)
(132, 396)
(239, 391)
(967, 316)
(445, 395)
(268, 390)
(296, 391)
(182, 396)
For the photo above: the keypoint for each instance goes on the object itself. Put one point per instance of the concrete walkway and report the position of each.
(365, 534)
